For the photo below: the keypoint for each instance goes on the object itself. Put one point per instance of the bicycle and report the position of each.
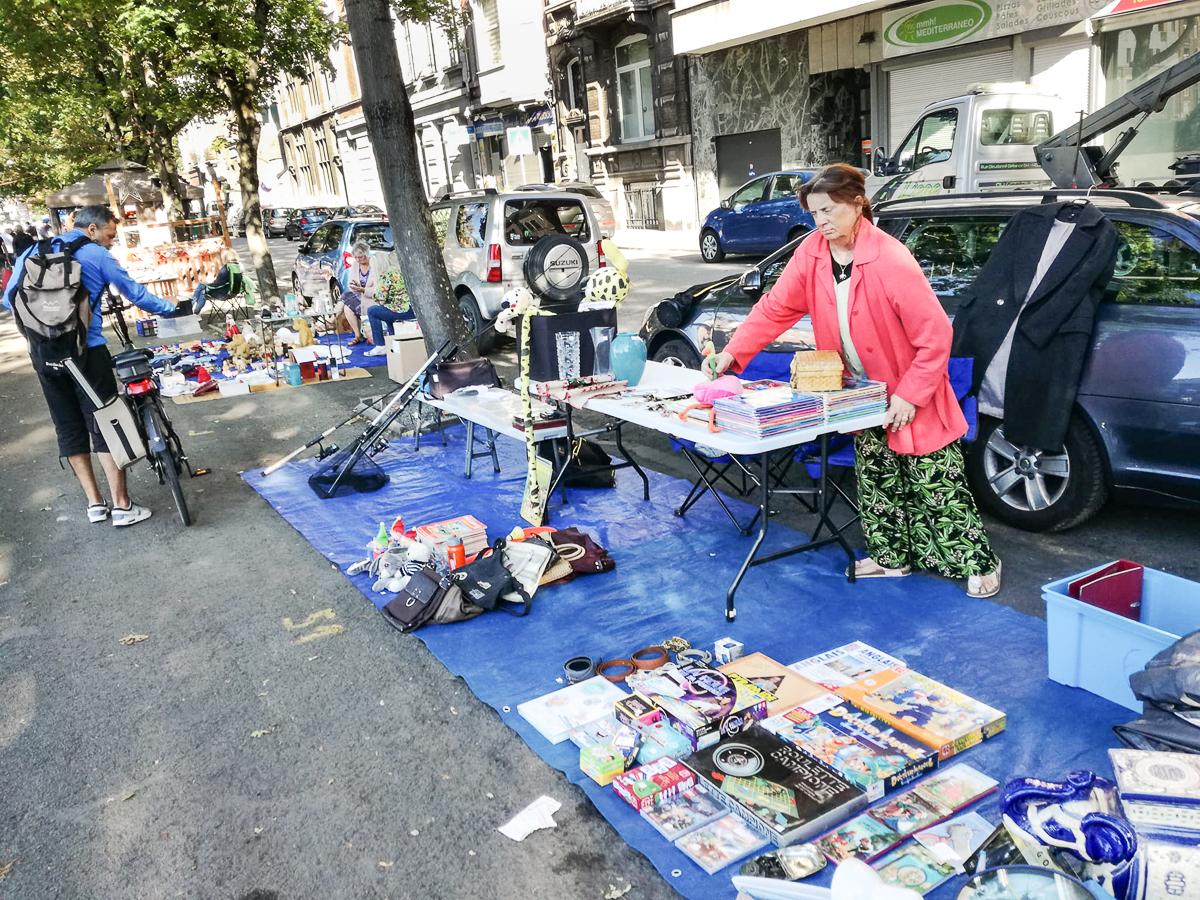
(139, 392)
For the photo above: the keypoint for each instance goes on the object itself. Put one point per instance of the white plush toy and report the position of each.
(516, 301)
(607, 285)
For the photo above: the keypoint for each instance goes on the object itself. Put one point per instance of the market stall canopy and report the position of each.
(131, 183)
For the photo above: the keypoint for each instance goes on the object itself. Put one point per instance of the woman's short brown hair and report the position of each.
(843, 183)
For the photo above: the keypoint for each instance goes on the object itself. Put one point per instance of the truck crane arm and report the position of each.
(1071, 164)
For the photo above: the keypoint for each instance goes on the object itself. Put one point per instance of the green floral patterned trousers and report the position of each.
(918, 511)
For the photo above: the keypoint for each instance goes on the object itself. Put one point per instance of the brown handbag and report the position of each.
(448, 377)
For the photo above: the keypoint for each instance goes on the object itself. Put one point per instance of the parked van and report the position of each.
(981, 141)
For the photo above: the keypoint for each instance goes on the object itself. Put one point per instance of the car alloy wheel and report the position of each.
(710, 247)
(1025, 479)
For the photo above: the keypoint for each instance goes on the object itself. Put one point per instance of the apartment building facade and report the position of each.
(776, 85)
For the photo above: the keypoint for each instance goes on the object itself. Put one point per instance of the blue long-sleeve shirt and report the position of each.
(100, 269)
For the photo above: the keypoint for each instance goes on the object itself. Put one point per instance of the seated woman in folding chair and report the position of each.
(220, 288)
(360, 290)
(391, 306)
(870, 301)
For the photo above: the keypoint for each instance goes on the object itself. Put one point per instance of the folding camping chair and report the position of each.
(234, 296)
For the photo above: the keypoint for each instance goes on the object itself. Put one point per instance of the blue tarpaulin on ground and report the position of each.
(670, 579)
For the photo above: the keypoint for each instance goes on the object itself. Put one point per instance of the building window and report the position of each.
(635, 98)
(490, 43)
(575, 87)
(324, 165)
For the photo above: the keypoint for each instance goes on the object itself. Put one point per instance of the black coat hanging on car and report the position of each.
(1050, 342)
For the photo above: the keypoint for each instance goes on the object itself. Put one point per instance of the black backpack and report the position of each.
(51, 303)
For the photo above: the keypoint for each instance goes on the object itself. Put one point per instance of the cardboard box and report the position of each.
(705, 705)
(233, 388)
(406, 354)
(645, 786)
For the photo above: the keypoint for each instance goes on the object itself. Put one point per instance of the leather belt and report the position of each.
(616, 670)
(579, 668)
(649, 657)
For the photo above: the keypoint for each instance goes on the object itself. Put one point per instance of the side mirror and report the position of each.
(751, 283)
(878, 161)
(725, 204)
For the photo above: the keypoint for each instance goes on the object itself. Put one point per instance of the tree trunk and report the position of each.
(162, 153)
(245, 115)
(390, 124)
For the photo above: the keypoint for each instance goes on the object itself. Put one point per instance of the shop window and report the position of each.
(951, 251)
(931, 141)
(1025, 127)
(635, 96)
(1154, 268)
(471, 225)
(1132, 56)
(441, 219)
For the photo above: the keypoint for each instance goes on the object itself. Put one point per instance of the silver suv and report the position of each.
(487, 235)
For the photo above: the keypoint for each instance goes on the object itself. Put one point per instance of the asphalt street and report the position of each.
(270, 737)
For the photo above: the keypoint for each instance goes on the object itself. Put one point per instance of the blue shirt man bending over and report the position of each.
(70, 409)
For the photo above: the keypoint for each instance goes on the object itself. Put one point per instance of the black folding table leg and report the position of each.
(632, 462)
(764, 502)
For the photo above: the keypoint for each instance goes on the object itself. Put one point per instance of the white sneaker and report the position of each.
(97, 512)
(376, 351)
(129, 516)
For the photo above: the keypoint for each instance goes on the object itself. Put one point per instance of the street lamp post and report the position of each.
(337, 161)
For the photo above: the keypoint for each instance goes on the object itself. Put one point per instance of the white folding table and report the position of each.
(665, 381)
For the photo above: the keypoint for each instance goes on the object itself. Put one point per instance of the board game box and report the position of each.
(556, 713)
(788, 687)
(870, 754)
(936, 715)
(686, 811)
(846, 664)
(782, 792)
(647, 785)
(720, 843)
(1159, 790)
(886, 824)
(705, 704)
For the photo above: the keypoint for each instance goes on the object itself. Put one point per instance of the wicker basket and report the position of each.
(817, 370)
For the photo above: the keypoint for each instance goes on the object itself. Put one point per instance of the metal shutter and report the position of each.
(913, 88)
(1063, 68)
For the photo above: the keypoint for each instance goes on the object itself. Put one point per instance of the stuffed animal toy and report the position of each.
(239, 348)
(614, 257)
(607, 285)
(707, 392)
(305, 331)
(516, 301)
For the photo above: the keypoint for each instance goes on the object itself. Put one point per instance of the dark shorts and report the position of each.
(70, 409)
(353, 301)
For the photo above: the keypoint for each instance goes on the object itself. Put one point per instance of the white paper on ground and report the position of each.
(537, 815)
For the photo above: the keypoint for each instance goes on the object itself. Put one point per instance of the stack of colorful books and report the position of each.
(765, 408)
(857, 399)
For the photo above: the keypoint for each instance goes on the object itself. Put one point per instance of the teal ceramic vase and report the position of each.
(628, 357)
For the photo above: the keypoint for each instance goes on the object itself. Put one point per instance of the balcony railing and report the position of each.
(594, 10)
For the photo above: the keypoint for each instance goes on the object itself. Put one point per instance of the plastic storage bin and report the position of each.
(1097, 650)
(178, 326)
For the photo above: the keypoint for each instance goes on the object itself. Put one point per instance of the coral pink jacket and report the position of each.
(899, 329)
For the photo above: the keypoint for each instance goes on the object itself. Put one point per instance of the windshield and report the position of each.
(1019, 127)
(376, 236)
(527, 221)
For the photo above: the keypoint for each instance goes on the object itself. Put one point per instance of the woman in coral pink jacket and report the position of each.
(870, 302)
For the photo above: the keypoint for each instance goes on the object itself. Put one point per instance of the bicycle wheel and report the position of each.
(166, 459)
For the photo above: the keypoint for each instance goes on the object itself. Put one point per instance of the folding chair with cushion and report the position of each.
(841, 458)
(232, 293)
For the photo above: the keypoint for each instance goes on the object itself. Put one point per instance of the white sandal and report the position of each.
(983, 586)
(868, 568)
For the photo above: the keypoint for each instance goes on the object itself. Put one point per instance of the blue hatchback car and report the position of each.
(759, 217)
(324, 259)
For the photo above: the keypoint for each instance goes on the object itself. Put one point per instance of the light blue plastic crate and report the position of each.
(1097, 650)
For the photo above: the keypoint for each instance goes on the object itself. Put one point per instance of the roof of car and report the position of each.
(1113, 199)
(519, 194)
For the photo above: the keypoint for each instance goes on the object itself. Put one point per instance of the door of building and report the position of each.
(741, 157)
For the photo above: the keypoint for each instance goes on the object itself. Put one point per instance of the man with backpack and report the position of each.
(67, 322)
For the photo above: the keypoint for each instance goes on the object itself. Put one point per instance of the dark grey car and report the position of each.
(1136, 430)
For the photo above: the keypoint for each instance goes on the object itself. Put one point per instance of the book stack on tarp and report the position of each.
(857, 399)
(441, 535)
(765, 408)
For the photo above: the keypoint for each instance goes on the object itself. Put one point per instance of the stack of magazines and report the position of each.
(857, 399)
(440, 535)
(765, 408)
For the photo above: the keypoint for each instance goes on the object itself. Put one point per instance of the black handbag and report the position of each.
(487, 583)
(451, 375)
(428, 598)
